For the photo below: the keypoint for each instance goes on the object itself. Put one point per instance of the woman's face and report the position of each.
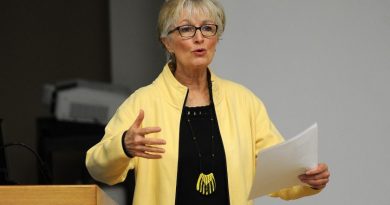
(192, 53)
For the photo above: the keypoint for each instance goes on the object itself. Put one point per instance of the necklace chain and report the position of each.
(206, 183)
(195, 140)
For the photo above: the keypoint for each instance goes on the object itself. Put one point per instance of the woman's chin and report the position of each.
(197, 63)
(201, 63)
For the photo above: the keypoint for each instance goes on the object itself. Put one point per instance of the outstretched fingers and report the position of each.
(136, 142)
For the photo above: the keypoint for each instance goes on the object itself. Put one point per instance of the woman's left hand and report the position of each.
(316, 178)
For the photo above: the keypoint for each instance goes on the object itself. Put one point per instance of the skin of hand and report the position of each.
(138, 145)
(316, 178)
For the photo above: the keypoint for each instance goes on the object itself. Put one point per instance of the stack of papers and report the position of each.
(279, 166)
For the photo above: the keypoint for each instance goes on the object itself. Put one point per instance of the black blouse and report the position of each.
(189, 167)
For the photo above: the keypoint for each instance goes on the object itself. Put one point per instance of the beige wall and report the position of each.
(136, 54)
(326, 61)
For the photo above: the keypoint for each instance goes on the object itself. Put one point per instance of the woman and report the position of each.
(191, 137)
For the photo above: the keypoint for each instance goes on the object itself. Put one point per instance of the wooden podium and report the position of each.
(54, 195)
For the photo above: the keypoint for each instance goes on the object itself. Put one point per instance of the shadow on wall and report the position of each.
(45, 43)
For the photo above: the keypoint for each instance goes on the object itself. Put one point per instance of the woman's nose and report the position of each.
(198, 36)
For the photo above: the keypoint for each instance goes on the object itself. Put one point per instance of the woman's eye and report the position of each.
(186, 29)
(207, 28)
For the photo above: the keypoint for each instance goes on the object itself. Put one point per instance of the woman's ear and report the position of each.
(167, 44)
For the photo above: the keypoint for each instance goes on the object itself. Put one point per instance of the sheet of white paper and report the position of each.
(279, 166)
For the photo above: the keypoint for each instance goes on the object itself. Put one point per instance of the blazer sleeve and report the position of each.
(106, 161)
(267, 135)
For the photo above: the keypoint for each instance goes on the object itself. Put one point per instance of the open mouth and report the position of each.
(200, 51)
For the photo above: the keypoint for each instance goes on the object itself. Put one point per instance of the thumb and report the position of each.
(138, 121)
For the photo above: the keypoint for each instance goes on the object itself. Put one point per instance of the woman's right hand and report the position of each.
(136, 144)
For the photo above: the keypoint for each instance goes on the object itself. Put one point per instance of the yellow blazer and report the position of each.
(245, 130)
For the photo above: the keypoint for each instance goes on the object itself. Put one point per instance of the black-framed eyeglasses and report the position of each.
(189, 31)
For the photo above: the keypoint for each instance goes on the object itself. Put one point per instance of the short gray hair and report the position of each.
(172, 9)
